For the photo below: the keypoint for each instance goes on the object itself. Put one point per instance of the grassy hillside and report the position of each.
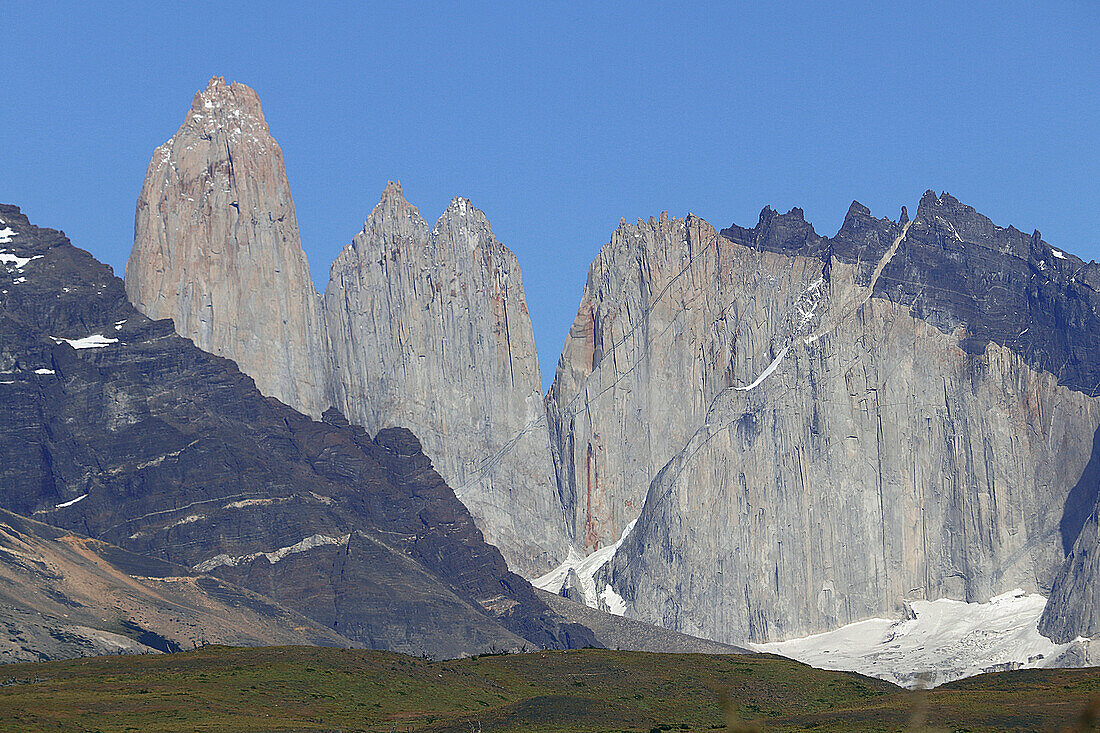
(315, 689)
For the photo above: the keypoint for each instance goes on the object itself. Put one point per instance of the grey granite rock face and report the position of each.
(216, 249)
(808, 455)
(648, 351)
(429, 330)
(1074, 606)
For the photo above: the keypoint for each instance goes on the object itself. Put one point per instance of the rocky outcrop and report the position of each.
(216, 249)
(119, 430)
(821, 427)
(429, 330)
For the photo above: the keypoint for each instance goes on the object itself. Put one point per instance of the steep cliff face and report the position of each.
(1073, 609)
(117, 429)
(834, 424)
(429, 330)
(216, 249)
(648, 351)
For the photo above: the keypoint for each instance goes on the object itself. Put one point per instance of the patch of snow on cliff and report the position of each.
(44, 371)
(70, 502)
(257, 502)
(6, 234)
(189, 519)
(767, 372)
(95, 341)
(612, 601)
(1058, 253)
(586, 568)
(317, 540)
(938, 641)
(19, 262)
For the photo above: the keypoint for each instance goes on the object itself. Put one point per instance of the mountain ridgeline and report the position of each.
(124, 434)
(805, 430)
(428, 327)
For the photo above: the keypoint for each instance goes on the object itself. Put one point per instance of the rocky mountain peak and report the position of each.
(393, 220)
(220, 101)
(856, 218)
(462, 216)
(11, 214)
(429, 330)
(217, 250)
(724, 392)
(394, 192)
(928, 201)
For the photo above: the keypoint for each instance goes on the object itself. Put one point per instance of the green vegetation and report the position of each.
(314, 689)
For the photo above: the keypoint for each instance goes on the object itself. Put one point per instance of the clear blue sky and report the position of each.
(557, 119)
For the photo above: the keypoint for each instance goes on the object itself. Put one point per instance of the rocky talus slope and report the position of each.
(117, 429)
(813, 429)
(216, 249)
(429, 330)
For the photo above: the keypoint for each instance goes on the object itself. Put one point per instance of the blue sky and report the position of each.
(557, 119)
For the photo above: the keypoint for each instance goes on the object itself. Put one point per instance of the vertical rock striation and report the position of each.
(635, 375)
(429, 330)
(216, 249)
(828, 425)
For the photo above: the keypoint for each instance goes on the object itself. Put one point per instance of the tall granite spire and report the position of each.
(429, 330)
(216, 248)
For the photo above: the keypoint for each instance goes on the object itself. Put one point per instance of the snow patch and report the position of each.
(95, 341)
(938, 641)
(14, 259)
(44, 371)
(586, 568)
(6, 234)
(189, 519)
(70, 502)
(612, 601)
(256, 502)
(309, 543)
(1058, 254)
(950, 226)
(767, 372)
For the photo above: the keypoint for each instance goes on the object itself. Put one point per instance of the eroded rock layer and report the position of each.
(429, 330)
(63, 595)
(216, 249)
(815, 434)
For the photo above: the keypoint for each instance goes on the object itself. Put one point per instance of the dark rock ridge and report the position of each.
(64, 596)
(116, 428)
(619, 632)
(962, 270)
